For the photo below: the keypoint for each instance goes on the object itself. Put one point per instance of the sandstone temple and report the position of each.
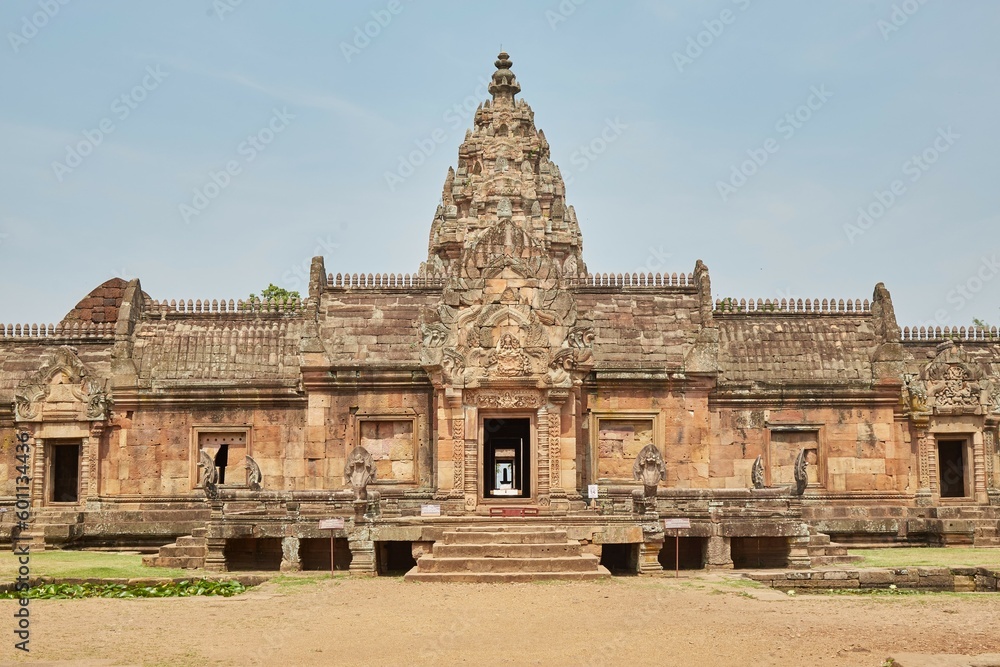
(502, 413)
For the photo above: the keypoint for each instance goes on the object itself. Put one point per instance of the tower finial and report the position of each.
(504, 85)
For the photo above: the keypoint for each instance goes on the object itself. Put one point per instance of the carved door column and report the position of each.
(979, 468)
(555, 444)
(89, 468)
(543, 461)
(926, 465)
(990, 454)
(38, 473)
(471, 459)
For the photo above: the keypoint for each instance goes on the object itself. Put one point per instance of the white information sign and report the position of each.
(430, 510)
(331, 524)
(592, 491)
(676, 523)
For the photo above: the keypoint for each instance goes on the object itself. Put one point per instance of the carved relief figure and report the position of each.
(649, 469)
(801, 473)
(359, 471)
(956, 389)
(757, 473)
(254, 476)
(508, 360)
(209, 475)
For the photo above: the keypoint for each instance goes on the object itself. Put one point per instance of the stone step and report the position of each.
(183, 562)
(191, 541)
(819, 539)
(199, 532)
(566, 549)
(171, 550)
(819, 561)
(505, 577)
(504, 528)
(583, 563)
(505, 537)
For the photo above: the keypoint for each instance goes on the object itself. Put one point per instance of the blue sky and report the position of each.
(670, 120)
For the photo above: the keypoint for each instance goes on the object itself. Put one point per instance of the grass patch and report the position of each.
(927, 557)
(299, 580)
(87, 565)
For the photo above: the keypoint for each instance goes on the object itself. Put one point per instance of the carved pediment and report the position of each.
(952, 383)
(62, 389)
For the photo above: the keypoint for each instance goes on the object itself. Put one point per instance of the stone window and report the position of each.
(228, 447)
(619, 441)
(392, 443)
(783, 448)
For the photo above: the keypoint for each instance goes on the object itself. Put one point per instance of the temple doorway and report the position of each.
(506, 458)
(65, 467)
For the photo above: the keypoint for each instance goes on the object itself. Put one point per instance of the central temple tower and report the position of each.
(505, 348)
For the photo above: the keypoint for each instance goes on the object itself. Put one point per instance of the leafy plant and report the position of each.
(184, 588)
(274, 293)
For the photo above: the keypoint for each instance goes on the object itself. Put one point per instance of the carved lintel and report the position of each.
(507, 399)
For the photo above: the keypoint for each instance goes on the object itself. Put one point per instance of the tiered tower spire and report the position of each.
(504, 172)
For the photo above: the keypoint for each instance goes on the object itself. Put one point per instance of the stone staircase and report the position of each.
(507, 553)
(187, 552)
(824, 552)
(52, 527)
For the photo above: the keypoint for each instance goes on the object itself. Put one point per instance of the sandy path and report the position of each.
(385, 621)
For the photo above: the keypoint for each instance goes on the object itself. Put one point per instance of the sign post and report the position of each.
(332, 525)
(677, 525)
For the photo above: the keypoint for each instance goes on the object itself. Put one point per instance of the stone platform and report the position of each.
(507, 554)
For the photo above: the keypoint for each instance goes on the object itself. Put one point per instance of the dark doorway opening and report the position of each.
(951, 468)
(221, 461)
(65, 473)
(620, 559)
(759, 552)
(314, 553)
(506, 458)
(253, 553)
(395, 558)
(692, 553)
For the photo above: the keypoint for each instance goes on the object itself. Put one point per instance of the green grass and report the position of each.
(926, 556)
(299, 580)
(87, 565)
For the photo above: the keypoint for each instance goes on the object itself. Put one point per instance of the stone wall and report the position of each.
(957, 579)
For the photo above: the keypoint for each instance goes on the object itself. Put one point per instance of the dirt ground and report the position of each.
(696, 620)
